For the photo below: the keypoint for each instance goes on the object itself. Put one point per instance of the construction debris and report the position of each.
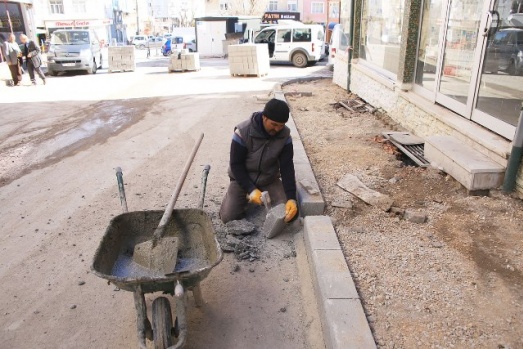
(357, 105)
(353, 185)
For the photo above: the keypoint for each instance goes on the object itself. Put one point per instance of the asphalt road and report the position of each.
(59, 146)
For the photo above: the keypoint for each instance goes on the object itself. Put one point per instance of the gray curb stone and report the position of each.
(310, 204)
(342, 316)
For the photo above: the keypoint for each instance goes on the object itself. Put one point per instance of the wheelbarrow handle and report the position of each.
(121, 189)
(205, 174)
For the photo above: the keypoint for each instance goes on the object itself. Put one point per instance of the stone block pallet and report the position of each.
(249, 60)
(121, 59)
(185, 61)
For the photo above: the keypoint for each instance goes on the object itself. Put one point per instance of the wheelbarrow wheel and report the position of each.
(162, 323)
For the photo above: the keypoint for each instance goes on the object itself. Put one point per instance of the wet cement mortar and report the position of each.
(454, 281)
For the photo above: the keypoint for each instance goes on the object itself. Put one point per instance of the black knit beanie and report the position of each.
(277, 110)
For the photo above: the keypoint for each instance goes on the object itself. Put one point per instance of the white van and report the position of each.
(300, 44)
(74, 49)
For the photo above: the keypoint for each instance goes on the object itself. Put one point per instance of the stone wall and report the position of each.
(386, 96)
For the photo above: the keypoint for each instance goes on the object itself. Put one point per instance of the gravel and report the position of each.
(447, 275)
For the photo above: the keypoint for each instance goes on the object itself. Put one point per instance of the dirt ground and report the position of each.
(455, 281)
(56, 202)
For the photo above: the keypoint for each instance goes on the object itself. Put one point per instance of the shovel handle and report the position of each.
(205, 174)
(158, 233)
(121, 189)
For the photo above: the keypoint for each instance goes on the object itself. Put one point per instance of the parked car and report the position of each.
(299, 44)
(139, 41)
(505, 52)
(173, 44)
(74, 49)
(190, 43)
(155, 42)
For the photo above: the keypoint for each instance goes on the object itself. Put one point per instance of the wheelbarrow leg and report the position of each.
(142, 322)
(181, 305)
(197, 293)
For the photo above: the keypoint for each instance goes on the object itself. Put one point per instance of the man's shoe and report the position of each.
(34, 83)
(43, 81)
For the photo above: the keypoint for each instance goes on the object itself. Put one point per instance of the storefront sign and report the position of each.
(274, 17)
(78, 23)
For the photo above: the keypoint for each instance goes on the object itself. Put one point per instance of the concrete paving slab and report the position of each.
(468, 166)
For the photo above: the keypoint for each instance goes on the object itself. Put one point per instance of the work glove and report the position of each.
(255, 197)
(291, 208)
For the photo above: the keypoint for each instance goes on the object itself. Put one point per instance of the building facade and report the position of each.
(51, 15)
(450, 67)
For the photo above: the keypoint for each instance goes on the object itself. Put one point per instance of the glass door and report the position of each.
(470, 60)
(460, 55)
(500, 87)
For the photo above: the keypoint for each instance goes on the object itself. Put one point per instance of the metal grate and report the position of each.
(409, 145)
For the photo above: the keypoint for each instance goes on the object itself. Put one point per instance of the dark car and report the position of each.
(168, 47)
(505, 52)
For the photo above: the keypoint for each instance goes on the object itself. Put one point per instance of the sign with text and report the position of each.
(274, 17)
(78, 23)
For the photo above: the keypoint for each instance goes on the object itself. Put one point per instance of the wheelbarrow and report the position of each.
(198, 252)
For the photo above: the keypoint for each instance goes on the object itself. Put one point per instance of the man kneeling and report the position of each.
(261, 153)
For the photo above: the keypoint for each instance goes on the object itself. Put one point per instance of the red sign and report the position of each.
(79, 23)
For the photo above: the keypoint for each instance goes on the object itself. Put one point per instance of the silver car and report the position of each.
(74, 50)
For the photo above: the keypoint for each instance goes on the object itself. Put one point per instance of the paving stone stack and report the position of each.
(249, 59)
(121, 58)
(184, 61)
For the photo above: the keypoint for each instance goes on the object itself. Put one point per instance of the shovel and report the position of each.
(159, 253)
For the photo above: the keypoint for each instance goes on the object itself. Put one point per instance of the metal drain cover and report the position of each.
(410, 145)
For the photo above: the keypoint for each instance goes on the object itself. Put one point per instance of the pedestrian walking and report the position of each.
(32, 58)
(12, 54)
(261, 153)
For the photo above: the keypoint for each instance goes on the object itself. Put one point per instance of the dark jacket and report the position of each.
(258, 159)
(33, 50)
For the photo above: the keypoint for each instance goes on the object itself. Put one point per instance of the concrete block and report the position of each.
(468, 166)
(345, 325)
(320, 234)
(333, 278)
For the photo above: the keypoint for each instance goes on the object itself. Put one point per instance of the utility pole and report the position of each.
(137, 20)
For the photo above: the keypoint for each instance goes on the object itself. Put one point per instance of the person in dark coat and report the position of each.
(12, 53)
(261, 159)
(32, 58)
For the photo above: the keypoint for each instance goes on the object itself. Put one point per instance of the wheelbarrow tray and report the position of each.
(198, 250)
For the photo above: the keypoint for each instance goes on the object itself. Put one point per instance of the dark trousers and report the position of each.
(32, 69)
(235, 201)
(16, 72)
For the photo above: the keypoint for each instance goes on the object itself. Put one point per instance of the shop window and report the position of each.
(317, 7)
(381, 33)
(56, 6)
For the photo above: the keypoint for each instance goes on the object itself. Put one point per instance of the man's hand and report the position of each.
(291, 208)
(255, 197)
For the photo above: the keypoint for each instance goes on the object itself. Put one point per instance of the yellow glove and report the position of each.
(291, 208)
(255, 197)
